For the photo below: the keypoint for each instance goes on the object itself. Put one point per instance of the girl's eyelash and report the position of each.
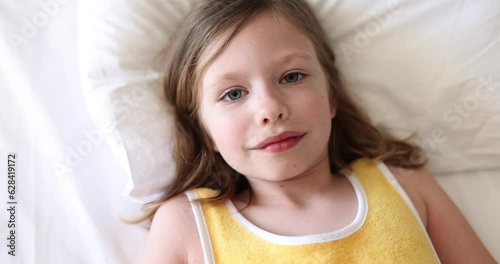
(301, 76)
(230, 90)
(227, 92)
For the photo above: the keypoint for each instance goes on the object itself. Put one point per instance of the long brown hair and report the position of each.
(202, 36)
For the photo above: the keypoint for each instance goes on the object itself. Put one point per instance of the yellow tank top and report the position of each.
(387, 229)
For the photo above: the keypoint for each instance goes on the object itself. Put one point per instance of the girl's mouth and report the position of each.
(281, 142)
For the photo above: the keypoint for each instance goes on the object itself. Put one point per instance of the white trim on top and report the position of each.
(392, 179)
(206, 245)
(314, 238)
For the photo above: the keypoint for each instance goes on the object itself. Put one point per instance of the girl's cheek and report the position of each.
(227, 125)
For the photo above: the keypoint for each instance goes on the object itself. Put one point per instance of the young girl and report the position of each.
(275, 164)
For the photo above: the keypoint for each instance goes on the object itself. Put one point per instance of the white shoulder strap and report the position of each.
(206, 245)
(392, 179)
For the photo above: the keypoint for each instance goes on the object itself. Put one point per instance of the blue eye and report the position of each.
(292, 77)
(233, 95)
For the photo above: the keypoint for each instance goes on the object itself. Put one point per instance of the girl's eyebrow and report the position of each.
(297, 55)
(232, 76)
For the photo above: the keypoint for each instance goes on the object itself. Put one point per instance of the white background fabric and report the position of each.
(63, 216)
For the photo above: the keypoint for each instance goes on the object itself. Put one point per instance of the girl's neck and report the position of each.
(298, 192)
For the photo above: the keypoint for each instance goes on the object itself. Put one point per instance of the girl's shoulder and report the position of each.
(413, 181)
(452, 236)
(173, 237)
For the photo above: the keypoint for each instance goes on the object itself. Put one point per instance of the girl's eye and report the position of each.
(233, 95)
(292, 77)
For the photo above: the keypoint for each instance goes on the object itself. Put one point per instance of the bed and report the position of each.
(82, 111)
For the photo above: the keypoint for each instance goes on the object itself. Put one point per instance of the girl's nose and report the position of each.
(272, 108)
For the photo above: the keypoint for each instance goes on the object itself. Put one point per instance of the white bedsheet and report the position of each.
(63, 215)
(477, 194)
(68, 182)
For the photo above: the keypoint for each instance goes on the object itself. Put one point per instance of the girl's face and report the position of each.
(265, 102)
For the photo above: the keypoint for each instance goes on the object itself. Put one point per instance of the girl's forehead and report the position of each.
(265, 30)
(268, 20)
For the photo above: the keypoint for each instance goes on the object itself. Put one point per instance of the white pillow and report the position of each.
(122, 42)
(426, 65)
(412, 65)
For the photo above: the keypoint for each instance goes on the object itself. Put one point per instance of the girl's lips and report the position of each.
(281, 142)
